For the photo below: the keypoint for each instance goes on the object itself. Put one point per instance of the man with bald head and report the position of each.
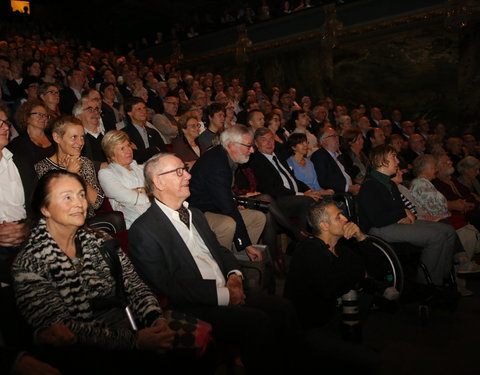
(173, 248)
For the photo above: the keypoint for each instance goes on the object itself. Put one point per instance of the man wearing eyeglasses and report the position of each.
(166, 123)
(88, 111)
(211, 188)
(173, 248)
(17, 181)
(330, 172)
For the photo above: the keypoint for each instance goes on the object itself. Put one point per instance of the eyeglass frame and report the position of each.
(7, 123)
(179, 171)
(41, 115)
(91, 109)
(52, 92)
(245, 145)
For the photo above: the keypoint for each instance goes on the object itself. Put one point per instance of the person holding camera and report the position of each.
(211, 192)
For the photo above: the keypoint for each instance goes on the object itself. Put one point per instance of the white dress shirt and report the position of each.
(334, 155)
(12, 197)
(204, 260)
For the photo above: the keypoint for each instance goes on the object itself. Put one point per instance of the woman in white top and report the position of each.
(122, 181)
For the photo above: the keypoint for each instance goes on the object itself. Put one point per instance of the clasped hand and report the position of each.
(235, 288)
(158, 338)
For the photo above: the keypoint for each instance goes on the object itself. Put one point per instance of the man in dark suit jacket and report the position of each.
(211, 187)
(88, 112)
(16, 194)
(174, 250)
(292, 195)
(72, 93)
(147, 141)
(330, 172)
(416, 147)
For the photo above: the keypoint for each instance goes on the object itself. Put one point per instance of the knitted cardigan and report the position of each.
(49, 290)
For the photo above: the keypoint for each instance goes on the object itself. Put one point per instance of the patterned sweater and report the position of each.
(48, 289)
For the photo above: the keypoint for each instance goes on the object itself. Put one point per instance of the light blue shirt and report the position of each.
(305, 174)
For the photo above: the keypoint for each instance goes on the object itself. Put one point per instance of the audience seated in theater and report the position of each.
(408, 128)
(331, 173)
(110, 113)
(166, 123)
(319, 119)
(397, 141)
(186, 145)
(422, 127)
(434, 145)
(68, 135)
(50, 95)
(468, 169)
(17, 182)
(30, 85)
(375, 116)
(286, 104)
(88, 112)
(344, 122)
(396, 118)
(70, 94)
(459, 197)
(230, 118)
(145, 138)
(364, 126)
(75, 318)
(386, 126)
(255, 120)
(440, 130)
(211, 192)
(300, 122)
(216, 121)
(273, 122)
(471, 146)
(373, 138)
(416, 147)
(352, 157)
(455, 149)
(301, 165)
(185, 262)
(434, 203)
(331, 266)
(382, 213)
(274, 177)
(34, 141)
(122, 180)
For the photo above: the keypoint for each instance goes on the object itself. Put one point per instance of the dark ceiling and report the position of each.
(106, 21)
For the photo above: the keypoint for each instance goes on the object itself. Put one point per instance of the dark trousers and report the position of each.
(265, 330)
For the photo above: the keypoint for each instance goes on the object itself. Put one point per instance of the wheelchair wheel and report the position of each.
(383, 264)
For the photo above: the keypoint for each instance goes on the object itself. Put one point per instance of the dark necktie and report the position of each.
(285, 174)
(184, 216)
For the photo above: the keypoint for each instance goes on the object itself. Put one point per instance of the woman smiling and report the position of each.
(123, 180)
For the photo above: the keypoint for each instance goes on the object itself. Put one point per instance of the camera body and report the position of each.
(253, 204)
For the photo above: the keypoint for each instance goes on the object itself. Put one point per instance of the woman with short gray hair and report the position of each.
(122, 180)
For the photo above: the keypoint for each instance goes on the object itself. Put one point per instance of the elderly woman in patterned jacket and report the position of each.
(63, 274)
